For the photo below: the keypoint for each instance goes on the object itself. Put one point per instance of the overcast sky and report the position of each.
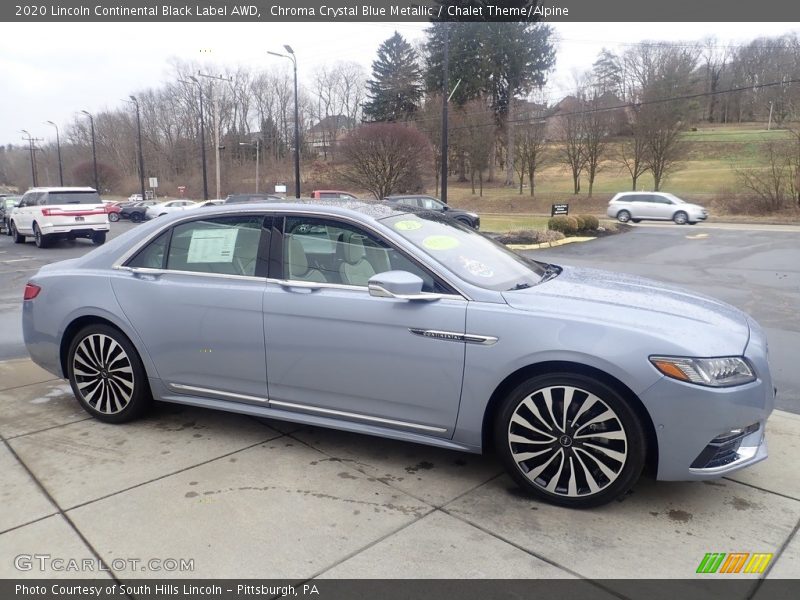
(50, 71)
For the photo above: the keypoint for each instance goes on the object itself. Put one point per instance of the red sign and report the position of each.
(181, 189)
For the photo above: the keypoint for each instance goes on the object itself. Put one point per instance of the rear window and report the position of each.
(73, 198)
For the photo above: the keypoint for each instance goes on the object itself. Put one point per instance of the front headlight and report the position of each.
(723, 371)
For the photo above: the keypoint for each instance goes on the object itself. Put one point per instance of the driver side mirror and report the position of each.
(401, 285)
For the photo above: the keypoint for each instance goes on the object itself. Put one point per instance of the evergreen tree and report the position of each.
(395, 89)
(607, 74)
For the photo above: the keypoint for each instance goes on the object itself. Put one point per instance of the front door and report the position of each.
(333, 350)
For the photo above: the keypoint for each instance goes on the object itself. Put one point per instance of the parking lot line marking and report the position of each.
(12, 260)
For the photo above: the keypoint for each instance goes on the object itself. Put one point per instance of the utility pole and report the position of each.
(769, 125)
(215, 103)
(58, 145)
(141, 155)
(257, 145)
(202, 136)
(31, 141)
(445, 100)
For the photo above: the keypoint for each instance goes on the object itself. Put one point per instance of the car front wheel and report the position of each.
(680, 218)
(623, 216)
(570, 440)
(106, 375)
(113, 217)
(18, 237)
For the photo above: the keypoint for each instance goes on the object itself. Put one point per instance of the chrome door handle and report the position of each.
(306, 285)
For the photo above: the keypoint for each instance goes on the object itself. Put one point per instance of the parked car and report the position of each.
(470, 219)
(209, 203)
(113, 209)
(375, 320)
(252, 197)
(135, 211)
(656, 206)
(164, 208)
(7, 203)
(50, 213)
(332, 195)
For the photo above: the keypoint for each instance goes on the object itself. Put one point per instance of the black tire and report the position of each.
(571, 483)
(636, 220)
(41, 240)
(97, 364)
(18, 237)
(136, 217)
(99, 238)
(680, 218)
(623, 216)
(113, 217)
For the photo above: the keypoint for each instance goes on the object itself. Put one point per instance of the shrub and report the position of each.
(590, 222)
(581, 223)
(530, 236)
(564, 224)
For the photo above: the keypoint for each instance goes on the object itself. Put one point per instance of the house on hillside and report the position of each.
(327, 132)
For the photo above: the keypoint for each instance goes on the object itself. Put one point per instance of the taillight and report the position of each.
(47, 212)
(31, 291)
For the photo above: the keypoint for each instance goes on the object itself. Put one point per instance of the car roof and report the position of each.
(61, 189)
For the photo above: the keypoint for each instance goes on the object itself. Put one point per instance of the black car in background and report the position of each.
(430, 203)
(7, 203)
(135, 210)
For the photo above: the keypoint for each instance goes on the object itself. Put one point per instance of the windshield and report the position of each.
(54, 198)
(472, 256)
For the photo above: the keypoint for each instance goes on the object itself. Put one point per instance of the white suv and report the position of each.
(656, 206)
(50, 213)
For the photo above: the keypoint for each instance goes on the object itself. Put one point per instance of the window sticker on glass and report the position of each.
(476, 267)
(440, 242)
(408, 225)
(212, 246)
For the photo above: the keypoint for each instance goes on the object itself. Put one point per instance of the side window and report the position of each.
(661, 199)
(152, 255)
(639, 198)
(26, 200)
(222, 245)
(41, 199)
(327, 251)
(430, 204)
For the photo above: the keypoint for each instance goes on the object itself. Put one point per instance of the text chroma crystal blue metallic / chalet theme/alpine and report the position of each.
(408, 325)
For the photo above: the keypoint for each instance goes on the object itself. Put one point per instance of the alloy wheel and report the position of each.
(567, 441)
(103, 373)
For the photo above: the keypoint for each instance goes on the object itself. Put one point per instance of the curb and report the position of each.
(569, 240)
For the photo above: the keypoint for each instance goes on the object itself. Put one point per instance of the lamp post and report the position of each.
(60, 166)
(202, 137)
(94, 152)
(257, 145)
(30, 139)
(141, 157)
(291, 56)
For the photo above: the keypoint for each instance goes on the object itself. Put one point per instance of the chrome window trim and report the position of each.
(119, 263)
(181, 388)
(313, 285)
(349, 415)
(151, 271)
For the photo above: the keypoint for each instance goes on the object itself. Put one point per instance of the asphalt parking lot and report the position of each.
(243, 497)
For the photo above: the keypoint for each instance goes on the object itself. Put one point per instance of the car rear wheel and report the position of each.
(636, 220)
(18, 237)
(136, 217)
(623, 216)
(99, 238)
(113, 217)
(42, 241)
(680, 218)
(106, 375)
(570, 440)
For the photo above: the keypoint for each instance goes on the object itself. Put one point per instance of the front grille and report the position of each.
(723, 449)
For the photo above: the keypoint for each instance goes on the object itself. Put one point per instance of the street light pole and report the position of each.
(445, 101)
(215, 101)
(94, 152)
(60, 166)
(291, 56)
(202, 138)
(141, 156)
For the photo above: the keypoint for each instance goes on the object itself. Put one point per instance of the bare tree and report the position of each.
(531, 153)
(773, 185)
(573, 146)
(384, 158)
(429, 121)
(632, 153)
(596, 129)
(475, 138)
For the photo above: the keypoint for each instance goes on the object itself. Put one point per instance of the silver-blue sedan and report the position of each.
(410, 326)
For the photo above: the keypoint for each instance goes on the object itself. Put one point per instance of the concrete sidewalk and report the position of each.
(249, 498)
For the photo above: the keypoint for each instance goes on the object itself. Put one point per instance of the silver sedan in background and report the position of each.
(410, 326)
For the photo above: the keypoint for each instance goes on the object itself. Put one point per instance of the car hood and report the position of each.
(697, 323)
